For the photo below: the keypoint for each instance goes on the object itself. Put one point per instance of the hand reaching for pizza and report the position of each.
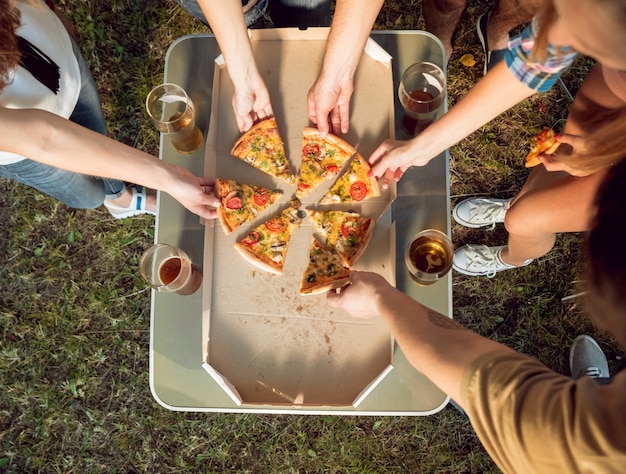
(392, 158)
(360, 298)
(193, 192)
(328, 103)
(251, 101)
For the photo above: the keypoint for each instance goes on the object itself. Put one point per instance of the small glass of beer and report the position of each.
(167, 268)
(171, 111)
(422, 92)
(428, 256)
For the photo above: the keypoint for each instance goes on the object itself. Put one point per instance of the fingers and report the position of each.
(333, 299)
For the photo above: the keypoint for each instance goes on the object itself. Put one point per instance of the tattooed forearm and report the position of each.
(442, 321)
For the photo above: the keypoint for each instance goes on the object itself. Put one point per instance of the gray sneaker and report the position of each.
(481, 211)
(586, 358)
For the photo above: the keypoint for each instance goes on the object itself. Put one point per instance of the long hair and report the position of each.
(9, 52)
(607, 140)
(606, 268)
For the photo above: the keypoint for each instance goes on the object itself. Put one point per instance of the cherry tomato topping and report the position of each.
(349, 228)
(276, 224)
(234, 203)
(252, 238)
(358, 190)
(331, 169)
(303, 186)
(311, 150)
(260, 197)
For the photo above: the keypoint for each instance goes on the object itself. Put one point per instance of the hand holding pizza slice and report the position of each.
(545, 142)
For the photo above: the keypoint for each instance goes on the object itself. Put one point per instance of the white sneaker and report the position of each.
(586, 358)
(480, 211)
(480, 260)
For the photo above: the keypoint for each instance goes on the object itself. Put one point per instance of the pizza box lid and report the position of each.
(264, 344)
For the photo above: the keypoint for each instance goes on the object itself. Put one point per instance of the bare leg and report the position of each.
(555, 202)
(506, 15)
(441, 18)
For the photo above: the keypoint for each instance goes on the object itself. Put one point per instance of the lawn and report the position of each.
(75, 316)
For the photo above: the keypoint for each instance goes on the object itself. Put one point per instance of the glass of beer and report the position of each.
(428, 256)
(422, 92)
(167, 268)
(171, 111)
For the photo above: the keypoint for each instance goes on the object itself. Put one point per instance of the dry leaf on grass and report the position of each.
(467, 60)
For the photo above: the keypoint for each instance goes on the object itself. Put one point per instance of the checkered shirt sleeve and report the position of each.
(536, 75)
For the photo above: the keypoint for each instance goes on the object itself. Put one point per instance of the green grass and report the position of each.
(74, 315)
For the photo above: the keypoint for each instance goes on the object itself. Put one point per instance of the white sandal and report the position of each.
(136, 207)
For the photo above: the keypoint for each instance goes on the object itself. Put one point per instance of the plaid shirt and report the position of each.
(537, 76)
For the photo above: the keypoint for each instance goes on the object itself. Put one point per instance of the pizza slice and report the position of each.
(266, 245)
(241, 202)
(321, 158)
(263, 148)
(355, 185)
(347, 233)
(544, 142)
(326, 271)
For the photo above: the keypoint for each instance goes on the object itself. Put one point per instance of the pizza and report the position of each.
(322, 158)
(241, 203)
(266, 245)
(544, 142)
(326, 270)
(347, 233)
(355, 185)
(263, 148)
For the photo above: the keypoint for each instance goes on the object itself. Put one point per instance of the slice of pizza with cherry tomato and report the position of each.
(326, 270)
(355, 185)
(544, 142)
(322, 158)
(347, 233)
(266, 245)
(241, 203)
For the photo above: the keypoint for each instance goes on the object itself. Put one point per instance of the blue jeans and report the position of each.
(252, 16)
(284, 13)
(73, 189)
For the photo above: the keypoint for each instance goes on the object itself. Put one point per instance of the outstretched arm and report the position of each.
(251, 100)
(497, 92)
(53, 140)
(434, 344)
(329, 98)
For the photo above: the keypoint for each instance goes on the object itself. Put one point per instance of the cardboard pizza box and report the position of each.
(263, 343)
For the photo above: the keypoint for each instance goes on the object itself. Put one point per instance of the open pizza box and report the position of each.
(263, 343)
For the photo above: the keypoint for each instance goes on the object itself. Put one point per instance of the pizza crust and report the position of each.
(367, 237)
(220, 189)
(254, 260)
(311, 133)
(325, 288)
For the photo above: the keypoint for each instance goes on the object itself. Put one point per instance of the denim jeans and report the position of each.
(73, 189)
(251, 16)
(284, 13)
